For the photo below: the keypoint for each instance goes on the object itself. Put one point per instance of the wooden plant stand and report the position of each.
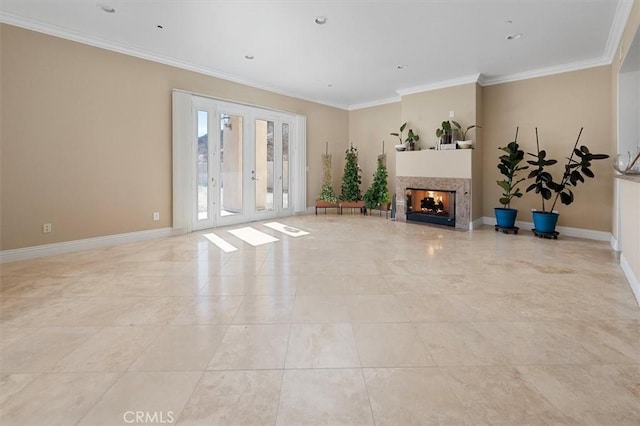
(327, 205)
(353, 205)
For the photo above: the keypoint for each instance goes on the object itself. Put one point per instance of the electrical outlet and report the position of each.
(452, 114)
(46, 228)
(156, 215)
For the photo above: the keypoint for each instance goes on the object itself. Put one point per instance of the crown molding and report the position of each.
(543, 72)
(474, 78)
(623, 11)
(378, 102)
(37, 26)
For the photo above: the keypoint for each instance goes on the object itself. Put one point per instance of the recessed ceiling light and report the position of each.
(249, 57)
(106, 8)
(401, 67)
(514, 36)
(320, 20)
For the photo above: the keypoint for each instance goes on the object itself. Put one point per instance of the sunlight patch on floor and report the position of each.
(252, 236)
(285, 229)
(222, 244)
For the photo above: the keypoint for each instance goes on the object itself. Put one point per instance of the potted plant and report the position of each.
(575, 169)
(509, 167)
(377, 196)
(444, 133)
(327, 198)
(409, 142)
(351, 197)
(464, 142)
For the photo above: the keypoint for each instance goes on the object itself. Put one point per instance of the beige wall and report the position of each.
(426, 111)
(630, 29)
(558, 105)
(368, 127)
(86, 137)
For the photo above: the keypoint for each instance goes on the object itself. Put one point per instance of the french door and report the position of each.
(241, 157)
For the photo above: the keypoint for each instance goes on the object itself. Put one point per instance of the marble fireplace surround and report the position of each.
(461, 186)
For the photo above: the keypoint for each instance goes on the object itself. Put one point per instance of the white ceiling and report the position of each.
(356, 52)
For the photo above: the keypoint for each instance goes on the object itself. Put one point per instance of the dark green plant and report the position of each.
(464, 132)
(574, 170)
(445, 129)
(351, 178)
(411, 136)
(509, 167)
(378, 194)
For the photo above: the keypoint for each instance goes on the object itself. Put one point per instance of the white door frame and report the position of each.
(184, 152)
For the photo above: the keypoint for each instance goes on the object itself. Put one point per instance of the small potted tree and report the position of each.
(377, 196)
(327, 198)
(350, 196)
(578, 164)
(509, 167)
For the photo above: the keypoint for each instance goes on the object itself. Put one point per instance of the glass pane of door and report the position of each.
(230, 182)
(202, 166)
(285, 166)
(262, 174)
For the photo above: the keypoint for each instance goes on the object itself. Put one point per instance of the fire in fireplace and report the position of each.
(431, 206)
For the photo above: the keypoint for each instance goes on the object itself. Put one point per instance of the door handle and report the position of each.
(254, 178)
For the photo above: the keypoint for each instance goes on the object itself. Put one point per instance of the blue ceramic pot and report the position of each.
(506, 218)
(544, 222)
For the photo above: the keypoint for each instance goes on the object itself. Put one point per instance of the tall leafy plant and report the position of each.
(378, 194)
(577, 167)
(351, 178)
(509, 167)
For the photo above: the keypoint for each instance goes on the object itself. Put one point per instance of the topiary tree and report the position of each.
(378, 194)
(327, 194)
(351, 178)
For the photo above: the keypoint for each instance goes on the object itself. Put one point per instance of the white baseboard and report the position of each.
(476, 223)
(85, 244)
(615, 245)
(631, 277)
(563, 230)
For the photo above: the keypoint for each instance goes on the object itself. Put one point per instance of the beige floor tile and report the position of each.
(500, 395)
(180, 348)
(163, 394)
(320, 309)
(458, 344)
(596, 394)
(246, 347)
(111, 349)
(534, 342)
(13, 383)
(43, 349)
(377, 308)
(56, 399)
(413, 396)
(322, 346)
(234, 398)
(205, 310)
(324, 397)
(521, 330)
(391, 345)
(264, 310)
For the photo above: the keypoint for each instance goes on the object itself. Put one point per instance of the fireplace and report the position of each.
(458, 191)
(431, 206)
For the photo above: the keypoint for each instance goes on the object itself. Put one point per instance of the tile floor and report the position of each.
(363, 321)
